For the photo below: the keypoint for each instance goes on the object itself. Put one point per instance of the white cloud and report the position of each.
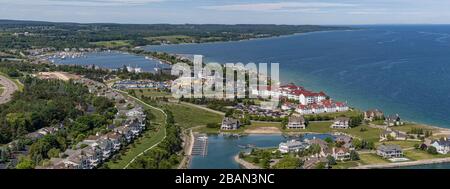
(280, 6)
(80, 2)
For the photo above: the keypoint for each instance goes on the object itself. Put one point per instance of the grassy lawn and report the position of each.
(364, 132)
(172, 38)
(147, 140)
(151, 93)
(1, 89)
(112, 44)
(263, 124)
(368, 159)
(407, 127)
(419, 155)
(316, 127)
(378, 122)
(189, 116)
(402, 143)
(345, 165)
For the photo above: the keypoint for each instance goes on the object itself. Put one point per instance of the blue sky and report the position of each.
(231, 11)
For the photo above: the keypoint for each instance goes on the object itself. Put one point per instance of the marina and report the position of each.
(222, 149)
(200, 147)
(111, 60)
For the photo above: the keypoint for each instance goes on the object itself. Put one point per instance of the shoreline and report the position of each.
(258, 38)
(245, 164)
(404, 164)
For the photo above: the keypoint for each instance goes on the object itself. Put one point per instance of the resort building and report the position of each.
(229, 123)
(323, 106)
(296, 122)
(373, 114)
(341, 123)
(287, 106)
(292, 92)
(442, 145)
(292, 146)
(390, 151)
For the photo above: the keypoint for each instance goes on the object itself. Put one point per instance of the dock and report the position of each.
(200, 147)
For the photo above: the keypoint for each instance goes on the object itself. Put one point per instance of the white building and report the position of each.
(341, 123)
(296, 122)
(291, 146)
(442, 146)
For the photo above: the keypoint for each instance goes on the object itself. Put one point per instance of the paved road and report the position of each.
(9, 87)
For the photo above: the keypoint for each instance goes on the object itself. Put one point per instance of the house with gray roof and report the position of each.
(393, 120)
(292, 146)
(393, 134)
(390, 151)
(229, 123)
(296, 122)
(341, 123)
(442, 145)
(373, 114)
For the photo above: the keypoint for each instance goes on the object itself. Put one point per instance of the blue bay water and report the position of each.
(399, 69)
(222, 149)
(113, 60)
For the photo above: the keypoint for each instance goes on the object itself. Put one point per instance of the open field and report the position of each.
(151, 93)
(174, 39)
(345, 165)
(402, 143)
(112, 44)
(57, 75)
(189, 116)
(407, 127)
(371, 158)
(421, 155)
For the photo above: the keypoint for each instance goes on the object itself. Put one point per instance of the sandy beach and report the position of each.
(263, 130)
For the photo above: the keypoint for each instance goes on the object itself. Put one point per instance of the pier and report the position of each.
(200, 147)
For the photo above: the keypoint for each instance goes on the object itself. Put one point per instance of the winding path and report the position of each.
(9, 87)
(151, 147)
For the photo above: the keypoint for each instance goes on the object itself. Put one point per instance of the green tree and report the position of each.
(265, 163)
(354, 155)
(288, 162)
(53, 153)
(25, 163)
(432, 150)
(331, 160)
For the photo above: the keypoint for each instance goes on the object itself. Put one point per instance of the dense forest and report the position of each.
(33, 34)
(51, 103)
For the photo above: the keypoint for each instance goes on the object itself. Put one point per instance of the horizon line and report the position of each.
(123, 23)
